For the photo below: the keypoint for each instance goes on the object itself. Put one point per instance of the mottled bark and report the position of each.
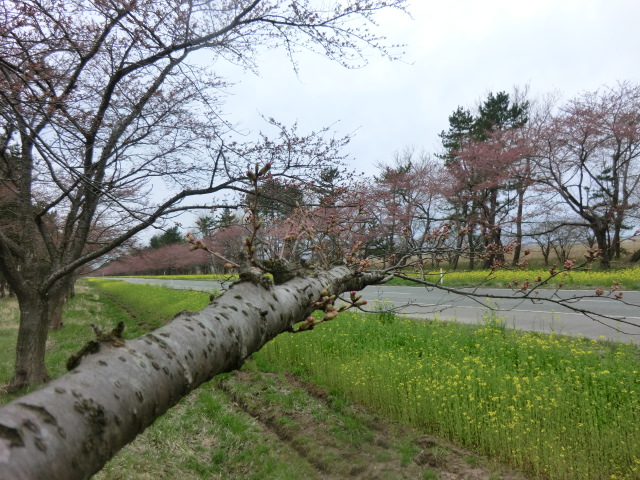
(71, 427)
(58, 297)
(600, 232)
(38, 313)
(32, 339)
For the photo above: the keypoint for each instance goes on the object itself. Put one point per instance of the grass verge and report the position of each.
(626, 278)
(553, 406)
(556, 406)
(258, 423)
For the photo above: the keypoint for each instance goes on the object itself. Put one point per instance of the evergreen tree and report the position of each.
(461, 124)
(169, 237)
(205, 225)
(226, 220)
(483, 179)
(498, 113)
(277, 199)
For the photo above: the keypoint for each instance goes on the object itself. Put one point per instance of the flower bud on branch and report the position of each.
(264, 169)
(330, 316)
(195, 244)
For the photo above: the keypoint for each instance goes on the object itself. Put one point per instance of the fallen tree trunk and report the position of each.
(70, 428)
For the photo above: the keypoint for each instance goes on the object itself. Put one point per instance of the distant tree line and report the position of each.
(512, 174)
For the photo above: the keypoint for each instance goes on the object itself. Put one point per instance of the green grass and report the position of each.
(204, 437)
(9, 315)
(150, 306)
(627, 278)
(554, 406)
(204, 277)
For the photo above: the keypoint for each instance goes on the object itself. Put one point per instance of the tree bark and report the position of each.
(71, 427)
(38, 314)
(472, 248)
(494, 240)
(57, 299)
(518, 248)
(601, 240)
(32, 339)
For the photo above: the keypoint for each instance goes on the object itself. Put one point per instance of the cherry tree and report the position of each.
(588, 155)
(407, 204)
(116, 388)
(489, 173)
(166, 260)
(106, 111)
(487, 152)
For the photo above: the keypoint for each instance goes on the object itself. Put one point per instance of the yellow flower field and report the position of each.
(552, 406)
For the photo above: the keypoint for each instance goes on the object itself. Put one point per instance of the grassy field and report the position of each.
(626, 278)
(547, 405)
(553, 406)
(258, 423)
(213, 277)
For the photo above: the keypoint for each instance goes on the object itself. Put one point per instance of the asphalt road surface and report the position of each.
(540, 316)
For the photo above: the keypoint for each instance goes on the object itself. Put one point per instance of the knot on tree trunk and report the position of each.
(113, 338)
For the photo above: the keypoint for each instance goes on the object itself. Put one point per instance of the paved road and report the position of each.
(539, 316)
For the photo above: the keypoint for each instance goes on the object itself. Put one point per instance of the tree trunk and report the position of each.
(494, 240)
(545, 254)
(57, 298)
(472, 248)
(56, 314)
(456, 255)
(32, 338)
(72, 426)
(518, 248)
(617, 238)
(603, 245)
(37, 316)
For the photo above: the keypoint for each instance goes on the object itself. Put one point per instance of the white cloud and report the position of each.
(457, 51)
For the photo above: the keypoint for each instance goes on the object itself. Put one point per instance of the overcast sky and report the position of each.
(456, 52)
